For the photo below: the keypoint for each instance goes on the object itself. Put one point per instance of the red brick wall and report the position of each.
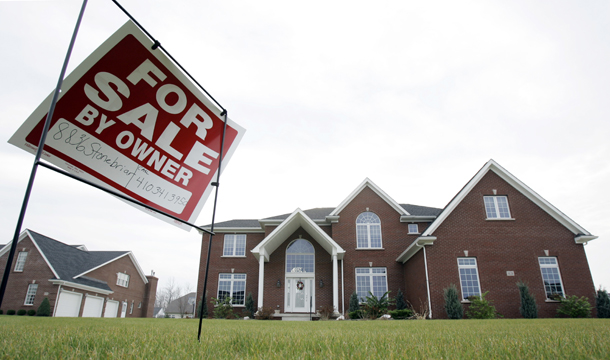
(135, 293)
(393, 235)
(505, 245)
(218, 264)
(35, 269)
(415, 289)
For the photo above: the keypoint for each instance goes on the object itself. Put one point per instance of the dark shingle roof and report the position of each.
(417, 210)
(244, 223)
(319, 214)
(69, 261)
(182, 303)
(314, 214)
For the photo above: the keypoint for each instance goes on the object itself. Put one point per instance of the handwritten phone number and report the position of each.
(163, 194)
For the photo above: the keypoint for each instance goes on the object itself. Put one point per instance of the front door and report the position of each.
(299, 295)
(300, 275)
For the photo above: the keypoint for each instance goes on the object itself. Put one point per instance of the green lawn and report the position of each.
(23, 337)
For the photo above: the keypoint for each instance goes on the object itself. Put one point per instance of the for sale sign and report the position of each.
(128, 118)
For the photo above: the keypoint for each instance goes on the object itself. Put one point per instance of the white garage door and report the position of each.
(112, 307)
(93, 306)
(68, 304)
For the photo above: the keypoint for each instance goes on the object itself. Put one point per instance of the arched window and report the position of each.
(300, 257)
(368, 231)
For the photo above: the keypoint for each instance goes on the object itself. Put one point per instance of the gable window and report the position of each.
(234, 286)
(551, 277)
(20, 263)
(469, 277)
(122, 279)
(496, 207)
(371, 279)
(368, 231)
(31, 294)
(413, 229)
(300, 257)
(235, 245)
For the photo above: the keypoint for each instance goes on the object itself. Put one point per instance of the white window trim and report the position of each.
(556, 265)
(497, 208)
(370, 275)
(21, 259)
(120, 278)
(368, 234)
(416, 228)
(27, 294)
(232, 280)
(476, 267)
(235, 245)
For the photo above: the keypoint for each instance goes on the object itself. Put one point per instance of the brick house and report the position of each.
(78, 282)
(493, 233)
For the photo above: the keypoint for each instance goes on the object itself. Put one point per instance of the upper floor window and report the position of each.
(31, 294)
(368, 230)
(235, 245)
(122, 279)
(300, 257)
(496, 207)
(469, 277)
(20, 263)
(551, 277)
(413, 229)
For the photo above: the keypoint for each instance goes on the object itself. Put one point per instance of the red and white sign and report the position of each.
(129, 119)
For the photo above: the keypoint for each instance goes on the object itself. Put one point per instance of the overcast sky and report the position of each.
(415, 95)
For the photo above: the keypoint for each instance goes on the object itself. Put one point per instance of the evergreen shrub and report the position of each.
(10, 312)
(575, 307)
(481, 308)
(453, 305)
(401, 314)
(31, 312)
(602, 303)
(528, 308)
(354, 303)
(250, 306)
(401, 304)
(21, 312)
(45, 308)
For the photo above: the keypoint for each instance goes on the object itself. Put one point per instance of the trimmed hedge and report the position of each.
(31, 312)
(10, 312)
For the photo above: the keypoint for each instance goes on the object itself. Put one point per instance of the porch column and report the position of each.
(335, 283)
(261, 279)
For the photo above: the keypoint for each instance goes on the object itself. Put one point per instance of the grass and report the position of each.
(78, 338)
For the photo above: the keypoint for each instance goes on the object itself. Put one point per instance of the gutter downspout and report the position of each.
(342, 289)
(427, 282)
(56, 300)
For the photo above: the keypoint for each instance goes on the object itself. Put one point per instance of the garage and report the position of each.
(68, 304)
(93, 306)
(112, 308)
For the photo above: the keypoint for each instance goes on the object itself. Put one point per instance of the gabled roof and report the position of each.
(582, 235)
(371, 185)
(70, 264)
(183, 303)
(294, 221)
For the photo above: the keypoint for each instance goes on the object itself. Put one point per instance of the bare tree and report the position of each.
(184, 305)
(170, 292)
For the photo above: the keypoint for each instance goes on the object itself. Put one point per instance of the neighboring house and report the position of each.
(77, 282)
(493, 233)
(182, 307)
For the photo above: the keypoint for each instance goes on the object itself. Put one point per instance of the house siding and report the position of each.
(500, 246)
(36, 269)
(505, 245)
